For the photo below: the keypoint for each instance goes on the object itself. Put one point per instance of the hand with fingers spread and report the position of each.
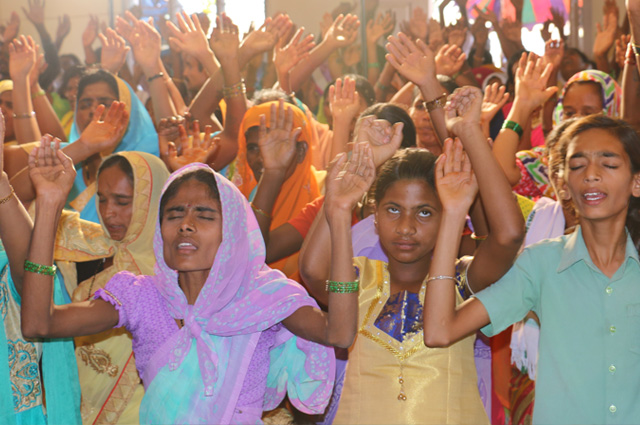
(23, 54)
(12, 28)
(449, 60)
(531, 82)
(495, 97)
(385, 139)
(266, 37)
(104, 134)
(343, 31)
(286, 57)
(125, 27)
(418, 24)
(146, 44)
(435, 35)
(197, 148)
(35, 14)
(480, 33)
(90, 32)
(114, 51)
(463, 110)
(168, 131)
(456, 35)
(348, 179)
(344, 101)
(455, 180)
(605, 35)
(52, 172)
(189, 37)
(379, 27)
(512, 29)
(63, 30)
(278, 142)
(414, 61)
(224, 40)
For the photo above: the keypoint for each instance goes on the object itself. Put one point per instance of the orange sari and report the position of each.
(298, 190)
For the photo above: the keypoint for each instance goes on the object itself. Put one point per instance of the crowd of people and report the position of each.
(200, 226)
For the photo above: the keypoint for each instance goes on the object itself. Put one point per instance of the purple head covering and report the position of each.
(241, 295)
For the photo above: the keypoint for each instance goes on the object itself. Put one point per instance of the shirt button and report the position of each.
(612, 409)
(609, 290)
(612, 329)
(612, 369)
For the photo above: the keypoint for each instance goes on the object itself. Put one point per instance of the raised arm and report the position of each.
(416, 62)
(285, 57)
(225, 45)
(344, 103)
(376, 29)
(457, 187)
(495, 255)
(277, 145)
(15, 223)
(23, 53)
(347, 181)
(53, 174)
(531, 92)
(197, 148)
(342, 33)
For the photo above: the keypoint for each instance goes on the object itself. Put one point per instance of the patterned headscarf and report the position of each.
(611, 93)
(241, 296)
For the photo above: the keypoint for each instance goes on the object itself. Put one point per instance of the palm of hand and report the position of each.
(345, 190)
(513, 31)
(489, 110)
(89, 35)
(225, 45)
(35, 14)
(51, 179)
(277, 149)
(457, 188)
(21, 63)
(194, 42)
(11, 30)
(553, 55)
(447, 65)
(101, 134)
(189, 156)
(259, 40)
(415, 66)
(457, 36)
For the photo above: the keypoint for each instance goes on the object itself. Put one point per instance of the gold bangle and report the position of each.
(238, 89)
(260, 211)
(436, 103)
(25, 115)
(8, 197)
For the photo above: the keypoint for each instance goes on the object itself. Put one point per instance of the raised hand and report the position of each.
(455, 181)
(188, 36)
(64, 27)
(39, 67)
(114, 51)
(553, 53)
(377, 28)
(104, 134)
(35, 14)
(605, 35)
(621, 49)
(414, 61)
(22, 57)
(266, 37)
(12, 28)
(146, 44)
(463, 109)
(287, 56)
(194, 149)
(449, 60)
(348, 180)
(224, 39)
(456, 34)
(126, 28)
(168, 131)
(512, 30)
(418, 24)
(91, 31)
(557, 18)
(494, 99)
(480, 33)
(52, 172)
(343, 31)
(531, 82)
(344, 101)
(385, 139)
(278, 142)
(435, 35)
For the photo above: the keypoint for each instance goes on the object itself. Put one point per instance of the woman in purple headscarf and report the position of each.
(218, 336)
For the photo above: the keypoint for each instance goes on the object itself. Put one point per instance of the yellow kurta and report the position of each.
(440, 384)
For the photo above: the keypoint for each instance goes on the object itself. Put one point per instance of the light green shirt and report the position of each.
(589, 352)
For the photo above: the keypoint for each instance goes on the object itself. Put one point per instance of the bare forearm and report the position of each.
(431, 91)
(506, 144)
(631, 95)
(236, 108)
(15, 231)
(25, 123)
(266, 195)
(48, 121)
(315, 257)
(404, 96)
(341, 135)
(304, 69)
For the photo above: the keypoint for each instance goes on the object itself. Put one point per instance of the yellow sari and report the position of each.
(111, 388)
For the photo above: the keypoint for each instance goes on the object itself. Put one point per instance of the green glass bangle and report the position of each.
(374, 64)
(512, 125)
(39, 268)
(342, 287)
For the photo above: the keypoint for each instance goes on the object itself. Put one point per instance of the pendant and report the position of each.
(402, 396)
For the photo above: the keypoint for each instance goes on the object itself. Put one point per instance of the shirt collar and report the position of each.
(576, 250)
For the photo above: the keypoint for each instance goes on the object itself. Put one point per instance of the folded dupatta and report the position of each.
(140, 136)
(240, 298)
